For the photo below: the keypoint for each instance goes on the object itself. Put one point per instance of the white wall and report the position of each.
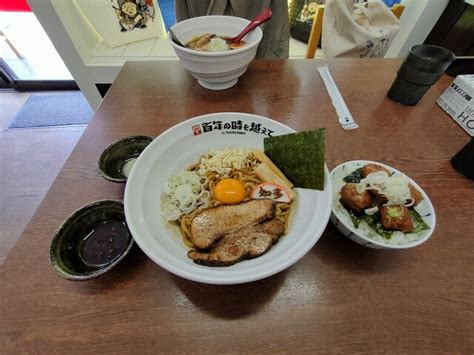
(416, 23)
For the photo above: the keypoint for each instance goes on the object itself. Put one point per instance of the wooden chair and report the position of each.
(316, 29)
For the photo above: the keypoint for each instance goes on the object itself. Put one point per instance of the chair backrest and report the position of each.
(316, 29)
(315, 34)
(398, 10)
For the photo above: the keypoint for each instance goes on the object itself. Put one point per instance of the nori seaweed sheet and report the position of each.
(300, 156)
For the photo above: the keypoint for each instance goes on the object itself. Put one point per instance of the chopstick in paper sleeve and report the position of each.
(345, 118)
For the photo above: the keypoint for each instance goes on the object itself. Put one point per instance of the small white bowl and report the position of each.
(216, 70)
(341, 219)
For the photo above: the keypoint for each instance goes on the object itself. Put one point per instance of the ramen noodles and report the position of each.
(220, 177)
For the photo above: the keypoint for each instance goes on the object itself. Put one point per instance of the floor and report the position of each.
(30, 160)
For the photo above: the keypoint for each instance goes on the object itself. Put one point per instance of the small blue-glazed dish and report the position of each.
(117, 160)
(91, 241)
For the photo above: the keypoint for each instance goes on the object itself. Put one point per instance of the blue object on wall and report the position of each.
(390, 3)
(167, 11)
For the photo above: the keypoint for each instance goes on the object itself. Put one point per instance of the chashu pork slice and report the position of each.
(213, 223)
(247, 243)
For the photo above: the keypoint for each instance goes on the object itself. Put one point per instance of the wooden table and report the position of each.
(340, 297)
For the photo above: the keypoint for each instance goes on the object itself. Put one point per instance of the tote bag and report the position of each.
(357, 30)
(123, 21)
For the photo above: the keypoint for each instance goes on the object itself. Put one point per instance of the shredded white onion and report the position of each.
(394, 188)
(410, 202)
(373, 181)
(371, 211)
(183, 193)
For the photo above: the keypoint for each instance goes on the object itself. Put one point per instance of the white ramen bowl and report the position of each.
(181, 146)
(369, 238)
(216, 70)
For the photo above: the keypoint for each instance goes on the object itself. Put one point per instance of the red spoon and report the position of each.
(262, 17)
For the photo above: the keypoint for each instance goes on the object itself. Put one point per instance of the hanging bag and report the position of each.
(357, 30)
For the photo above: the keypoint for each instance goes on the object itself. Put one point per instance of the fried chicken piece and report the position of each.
(353, 199)
(415, 194)
(372, 168)
(396, 217)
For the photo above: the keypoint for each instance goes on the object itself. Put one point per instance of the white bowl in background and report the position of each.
(341, 219)
(181, 146)
(215, 70)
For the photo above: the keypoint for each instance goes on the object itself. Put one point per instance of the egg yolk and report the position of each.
(229, 191)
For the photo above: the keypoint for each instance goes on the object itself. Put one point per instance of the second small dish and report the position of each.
(117, 160)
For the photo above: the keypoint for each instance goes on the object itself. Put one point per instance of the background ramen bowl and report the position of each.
(182, 145)
(117, 160)
(67, 247)
(340, 218)
(216, 70)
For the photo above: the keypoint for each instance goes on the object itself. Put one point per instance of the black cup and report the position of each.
(417, 77)
(463, 161)
(422, 68)
(429, 59)
(406, 93)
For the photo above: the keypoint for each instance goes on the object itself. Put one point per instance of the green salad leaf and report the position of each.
(355, 219)
(300, 156)
(355, 176)
(375, 223)
(419, 224)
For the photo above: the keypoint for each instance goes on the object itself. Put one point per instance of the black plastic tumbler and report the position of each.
(463, 161)
(422, 68)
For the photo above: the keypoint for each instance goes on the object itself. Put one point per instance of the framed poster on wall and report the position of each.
(123, 21)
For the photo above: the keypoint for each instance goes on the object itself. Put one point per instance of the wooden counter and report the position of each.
(341, 297)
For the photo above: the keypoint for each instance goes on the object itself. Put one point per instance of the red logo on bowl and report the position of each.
(197, 130)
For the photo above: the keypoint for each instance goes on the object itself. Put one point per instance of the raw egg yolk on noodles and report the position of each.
(229, 191)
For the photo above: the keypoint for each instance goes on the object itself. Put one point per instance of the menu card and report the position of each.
(457, 100)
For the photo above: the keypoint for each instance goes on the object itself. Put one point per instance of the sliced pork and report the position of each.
(246, 243)
(211, 224)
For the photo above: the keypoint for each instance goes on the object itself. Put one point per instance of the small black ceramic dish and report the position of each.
(117, 160)
(91, 241)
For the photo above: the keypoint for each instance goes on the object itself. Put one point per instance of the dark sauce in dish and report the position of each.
(105, 243)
